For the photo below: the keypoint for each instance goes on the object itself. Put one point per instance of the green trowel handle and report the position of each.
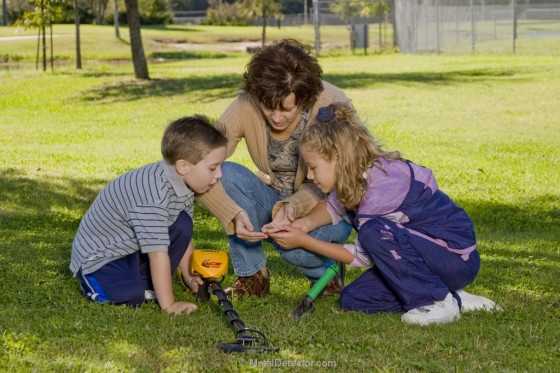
(323, 281)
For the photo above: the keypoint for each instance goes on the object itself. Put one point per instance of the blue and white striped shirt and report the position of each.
(132, 213)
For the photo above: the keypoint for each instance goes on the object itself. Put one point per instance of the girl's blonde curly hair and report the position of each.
(340, 132)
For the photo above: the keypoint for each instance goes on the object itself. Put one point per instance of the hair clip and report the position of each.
(325, 114)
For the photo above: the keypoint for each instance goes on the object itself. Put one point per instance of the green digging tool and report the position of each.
(307, 304)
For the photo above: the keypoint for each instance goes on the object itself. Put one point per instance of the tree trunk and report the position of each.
(77, 23)
(138, 57)
(4, 13)
(52, 47)
(263, 42)
(43, 36)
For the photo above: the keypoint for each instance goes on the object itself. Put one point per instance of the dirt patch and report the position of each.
(229, 46)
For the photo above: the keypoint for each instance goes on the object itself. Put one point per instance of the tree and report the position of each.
(346, 9)
(42, 17)
(263, 9)
(137, 49)
(77, 23)
(225, 14)
(98, 7)
(4, 13)
(380, 9)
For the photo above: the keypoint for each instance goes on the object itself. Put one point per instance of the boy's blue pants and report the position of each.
(409, 271)
(125, 280)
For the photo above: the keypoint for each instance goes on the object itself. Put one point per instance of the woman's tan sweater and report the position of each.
(244, 119)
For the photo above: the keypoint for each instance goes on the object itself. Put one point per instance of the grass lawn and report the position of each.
(20, 45)
(487, 124)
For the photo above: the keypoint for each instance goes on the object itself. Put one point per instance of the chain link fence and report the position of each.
(434, 26)
(475, 25)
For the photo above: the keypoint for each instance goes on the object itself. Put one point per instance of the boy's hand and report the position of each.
(244, 229)
(178, 308)
(290, 237)
(193, 282)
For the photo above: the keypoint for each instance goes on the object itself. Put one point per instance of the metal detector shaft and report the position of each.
(246, 340)
(215, 288)
(306, 304)
(323, 281)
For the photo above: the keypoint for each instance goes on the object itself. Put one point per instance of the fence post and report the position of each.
(514, 24)
(437, 28)
(316, 26)
(473, 32)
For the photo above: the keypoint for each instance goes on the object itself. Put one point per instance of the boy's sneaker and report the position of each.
(440, 312)
(150, 295)
(472, 302)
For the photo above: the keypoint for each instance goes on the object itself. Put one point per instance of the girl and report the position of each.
(421, 243)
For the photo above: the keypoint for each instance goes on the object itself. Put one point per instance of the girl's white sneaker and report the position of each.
(473, 302)
(440, 312)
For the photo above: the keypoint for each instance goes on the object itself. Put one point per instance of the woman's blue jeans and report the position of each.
(257, 199)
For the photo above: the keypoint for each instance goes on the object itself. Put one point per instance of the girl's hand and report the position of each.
(285, 216)
(290, 237)
(178, 308)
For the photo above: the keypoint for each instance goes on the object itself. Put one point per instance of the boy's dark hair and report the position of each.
(281, 68)
(190, 138)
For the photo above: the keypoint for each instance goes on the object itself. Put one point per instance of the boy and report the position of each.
(139, 228)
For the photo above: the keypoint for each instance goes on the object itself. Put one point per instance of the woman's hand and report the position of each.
(244, 229)
(302, 224)
(284, 217)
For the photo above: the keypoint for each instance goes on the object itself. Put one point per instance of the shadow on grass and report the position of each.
(170, 28)
(186, 55)
(535, 217)
(201, 88)
(212, 87)
(364, 80)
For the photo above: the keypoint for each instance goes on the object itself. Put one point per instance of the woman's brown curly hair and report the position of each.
(281, 68)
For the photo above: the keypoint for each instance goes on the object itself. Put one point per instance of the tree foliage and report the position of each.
(99, 7)
(226, 14)
(346, 9)
(263, 9)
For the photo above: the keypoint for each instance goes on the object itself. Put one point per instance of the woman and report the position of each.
(281, 91)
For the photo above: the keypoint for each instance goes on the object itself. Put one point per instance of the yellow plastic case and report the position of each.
(210, 264)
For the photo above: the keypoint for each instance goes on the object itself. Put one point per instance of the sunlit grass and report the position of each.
(486, 124)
